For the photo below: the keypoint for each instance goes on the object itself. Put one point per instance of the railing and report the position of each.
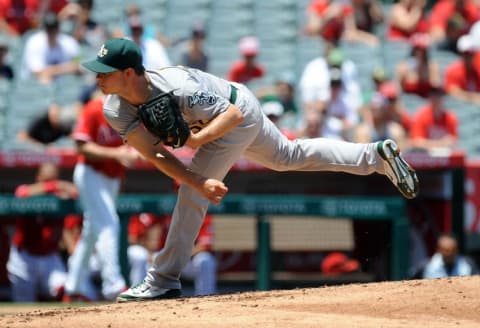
(390, 209)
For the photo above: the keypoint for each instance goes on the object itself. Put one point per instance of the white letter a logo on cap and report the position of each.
(103, 51)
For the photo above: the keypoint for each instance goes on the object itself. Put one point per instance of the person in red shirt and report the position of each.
(98, 174)
(147, 233)
(419, 72)
(407, 17)
(35, 268)
(20, 16)
(247, 68)
(91, 290)
(434, 126)
(443, 10)
(396, 111)
(361, 25)
(462, 77)
(327, 19)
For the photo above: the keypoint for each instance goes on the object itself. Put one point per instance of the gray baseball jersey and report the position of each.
(201, 97)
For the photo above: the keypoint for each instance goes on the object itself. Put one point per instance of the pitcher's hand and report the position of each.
(214, 190)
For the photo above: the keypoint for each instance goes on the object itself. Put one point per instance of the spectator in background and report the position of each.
(147, 234)
(98, 174)
(76, 19)
(48, 127)
(49, 53)
(466, 12)
(434, 126)
(247, 68)
(283, 92)
(338, 108)
(316, 124)
(149, 30)
(394, 105)
(454, 29)
(194, 55)
(462, 77)
(407, 17)
(360, 25)
(419, 72)
(18, 17)
(378, 77)
(35, 268)
(6, 71)
(384, 117)
(350, 84)
(326, 19)
(154, 54)
(58, 121)
(314, 84)
(446, 262)
(274, 110)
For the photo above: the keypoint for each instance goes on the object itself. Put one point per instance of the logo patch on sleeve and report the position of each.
(201, 98)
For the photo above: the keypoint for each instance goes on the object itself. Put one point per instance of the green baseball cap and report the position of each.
(116, 54)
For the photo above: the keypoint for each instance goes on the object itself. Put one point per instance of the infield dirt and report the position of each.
(449, 302)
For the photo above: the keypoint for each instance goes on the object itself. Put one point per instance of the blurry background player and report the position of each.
(98, 174)
(35, 268)
(147, 234)
(91, 290)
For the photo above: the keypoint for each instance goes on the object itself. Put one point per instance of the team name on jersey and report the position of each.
(201, 98)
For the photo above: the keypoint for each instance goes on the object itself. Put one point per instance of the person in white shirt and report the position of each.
(446, 262)
(154, 54)
(315, 89)
(48, 53)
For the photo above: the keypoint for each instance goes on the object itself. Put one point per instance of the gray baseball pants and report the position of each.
(259, 140)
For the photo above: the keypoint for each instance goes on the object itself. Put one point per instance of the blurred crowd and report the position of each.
(325, 100)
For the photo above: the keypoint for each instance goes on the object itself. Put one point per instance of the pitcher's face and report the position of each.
(111, 83)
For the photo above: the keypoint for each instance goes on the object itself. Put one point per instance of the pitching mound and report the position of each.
(452, 302)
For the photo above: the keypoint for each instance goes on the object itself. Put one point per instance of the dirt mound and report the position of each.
(450, 302)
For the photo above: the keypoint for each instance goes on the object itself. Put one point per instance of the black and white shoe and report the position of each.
(397, 169)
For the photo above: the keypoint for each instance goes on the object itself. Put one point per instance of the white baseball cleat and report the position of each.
(397, 169)
(145, 292)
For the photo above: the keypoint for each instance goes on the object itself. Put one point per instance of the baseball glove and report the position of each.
(161, 116)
